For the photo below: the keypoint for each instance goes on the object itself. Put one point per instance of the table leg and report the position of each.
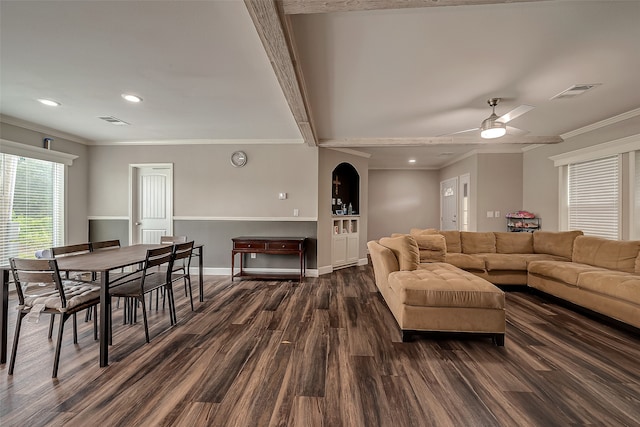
(301, 265)
(4, 308)
(201, 274)
(233, 260)
(105, 310)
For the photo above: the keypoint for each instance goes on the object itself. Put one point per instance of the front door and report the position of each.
(449, 204)
(152, 202)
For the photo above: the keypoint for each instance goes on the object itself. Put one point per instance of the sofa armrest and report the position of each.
(384, 263)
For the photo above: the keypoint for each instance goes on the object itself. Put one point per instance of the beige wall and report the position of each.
(402, 199)
(499, 188)
(328, 160)
(541, 180)
(205, 182)
(77, 176)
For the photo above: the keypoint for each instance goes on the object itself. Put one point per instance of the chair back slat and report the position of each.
(182, 250)
(107, 244)
(39, 271)
(71, 249)
(160, 256)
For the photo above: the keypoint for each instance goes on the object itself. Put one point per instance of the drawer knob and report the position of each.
(283, 246)
(248, 246)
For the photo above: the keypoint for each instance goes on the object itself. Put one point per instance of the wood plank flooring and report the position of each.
(325, 353)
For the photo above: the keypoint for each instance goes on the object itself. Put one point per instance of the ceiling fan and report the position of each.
(495, 127)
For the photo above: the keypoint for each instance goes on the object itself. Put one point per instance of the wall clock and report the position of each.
(239, 159)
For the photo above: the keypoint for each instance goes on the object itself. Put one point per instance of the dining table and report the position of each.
(102, 262)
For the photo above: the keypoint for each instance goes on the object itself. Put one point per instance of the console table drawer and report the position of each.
(249, 245)
(283, 246)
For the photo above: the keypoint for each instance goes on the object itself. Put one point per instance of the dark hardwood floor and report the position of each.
(325, 352)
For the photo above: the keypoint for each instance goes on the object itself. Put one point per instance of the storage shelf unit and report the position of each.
(346, 237)
(518, 224)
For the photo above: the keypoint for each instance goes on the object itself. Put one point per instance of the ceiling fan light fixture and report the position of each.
(490, 128)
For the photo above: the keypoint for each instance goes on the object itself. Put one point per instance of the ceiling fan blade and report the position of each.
(462, 131)
(516, 131)
(516, 112)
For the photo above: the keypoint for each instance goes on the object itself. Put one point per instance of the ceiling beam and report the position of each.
(438, 140)
(275, 32)
(294, 7)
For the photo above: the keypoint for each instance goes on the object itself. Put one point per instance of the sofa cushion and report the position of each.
(505, 261)
(474, 242)
(405, 249)
(465, 261)
(418, 231)
(555, 242)
(566, 272)
(443, 285)
(432, 247)
(638, 264)
(616, 284)
(514, 243)
(452, 237)
(612, 254)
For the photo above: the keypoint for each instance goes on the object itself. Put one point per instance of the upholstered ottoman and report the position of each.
(441, 297)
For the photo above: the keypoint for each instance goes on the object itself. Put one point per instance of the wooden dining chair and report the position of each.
(40, 290)
(156, 274)
(70, 250)
(182, 264)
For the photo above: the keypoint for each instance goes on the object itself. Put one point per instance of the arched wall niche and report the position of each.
(345, 188)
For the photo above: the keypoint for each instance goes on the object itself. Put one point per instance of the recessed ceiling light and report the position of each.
(412, 160)
(131, 98)
(49, 102)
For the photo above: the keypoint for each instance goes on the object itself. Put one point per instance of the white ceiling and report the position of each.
(403, 74)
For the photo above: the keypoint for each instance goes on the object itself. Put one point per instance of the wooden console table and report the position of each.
(269, 245)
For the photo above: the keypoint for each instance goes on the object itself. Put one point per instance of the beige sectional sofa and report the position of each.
(599, 274)
(499, 257)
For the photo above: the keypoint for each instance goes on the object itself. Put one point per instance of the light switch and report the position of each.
(489, 214)
(497, 214)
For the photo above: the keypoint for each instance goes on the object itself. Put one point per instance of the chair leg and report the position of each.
(95, 323)
(172, 307)
(51, 326)
(75, 329)
(16, 337)
(144, 317)
(56, 360)
(190, 292)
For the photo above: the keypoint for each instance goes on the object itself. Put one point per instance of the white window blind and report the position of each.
(594, 197)
(31, 206)
(636, 209)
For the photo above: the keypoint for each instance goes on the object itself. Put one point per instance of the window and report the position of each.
(594, 197)
(31, 205)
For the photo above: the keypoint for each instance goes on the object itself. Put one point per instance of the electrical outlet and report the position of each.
(497, 214)
(296, 212)
(253, 255)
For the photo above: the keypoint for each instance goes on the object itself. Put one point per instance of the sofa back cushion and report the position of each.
(405, 249)
(475, 242)
(638, 264)
(618, 255)
(418, 231)
(558, 243)
(514, 243)
(452, 239)
(432, 247)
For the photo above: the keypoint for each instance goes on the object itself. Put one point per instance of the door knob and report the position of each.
(138, 223)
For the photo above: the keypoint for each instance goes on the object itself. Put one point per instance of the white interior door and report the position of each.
(449, 204)
(152, 202)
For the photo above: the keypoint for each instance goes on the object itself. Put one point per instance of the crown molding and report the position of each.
(352, 152)
(43, 129)
(202, 142)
